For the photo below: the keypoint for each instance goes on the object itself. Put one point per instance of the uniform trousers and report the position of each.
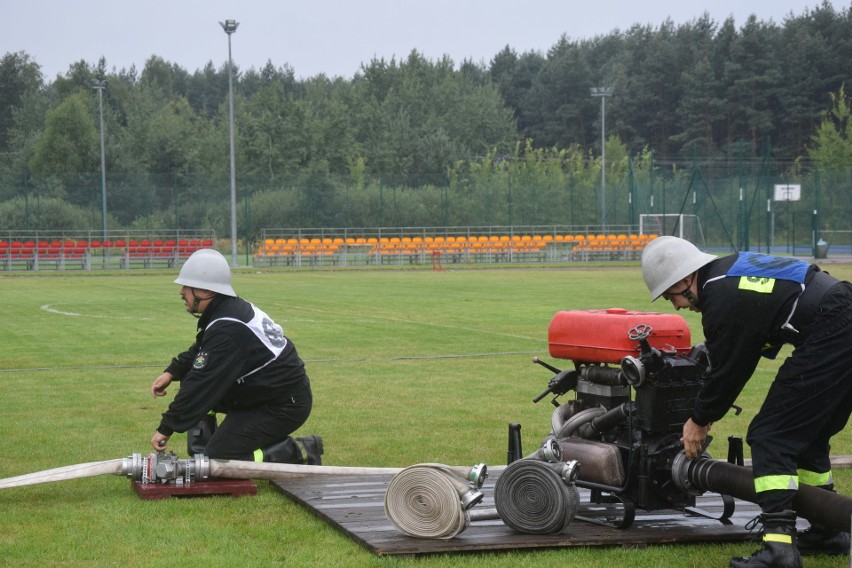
(809, 401)
(245, 430)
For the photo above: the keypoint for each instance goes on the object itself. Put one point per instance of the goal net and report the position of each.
(676, 224)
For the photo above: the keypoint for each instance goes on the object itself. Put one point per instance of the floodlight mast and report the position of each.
(100, 86)
(230, 26)
(603, 93)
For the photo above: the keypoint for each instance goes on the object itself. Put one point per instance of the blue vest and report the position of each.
(756, 265)
(758, 273)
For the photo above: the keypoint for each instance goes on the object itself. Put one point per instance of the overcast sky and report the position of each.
(334, 36)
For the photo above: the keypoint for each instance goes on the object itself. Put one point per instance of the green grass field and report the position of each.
(407, 367)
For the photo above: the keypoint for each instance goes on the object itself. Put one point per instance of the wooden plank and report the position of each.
(355, 505)
(233, 487)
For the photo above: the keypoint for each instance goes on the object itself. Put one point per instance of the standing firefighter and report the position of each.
(751, 304)
(242, 365)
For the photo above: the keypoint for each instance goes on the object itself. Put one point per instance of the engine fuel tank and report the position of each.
(606, 336)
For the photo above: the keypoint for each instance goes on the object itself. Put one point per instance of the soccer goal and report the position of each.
(676, 224)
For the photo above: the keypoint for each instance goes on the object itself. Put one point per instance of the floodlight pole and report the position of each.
(100, 86)
(230, 26)
(603, 93)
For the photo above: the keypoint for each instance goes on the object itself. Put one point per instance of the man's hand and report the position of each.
(159, 441)
(158, 388)
(693, 438)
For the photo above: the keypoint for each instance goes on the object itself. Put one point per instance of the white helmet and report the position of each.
(207, 269)
(668, 260)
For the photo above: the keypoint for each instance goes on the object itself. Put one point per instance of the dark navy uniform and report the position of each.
(241, 364)
(752, 304)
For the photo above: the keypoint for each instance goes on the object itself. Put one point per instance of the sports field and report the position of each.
(407, 367)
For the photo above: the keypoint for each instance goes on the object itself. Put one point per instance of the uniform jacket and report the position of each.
(240, 359)
(740, 325)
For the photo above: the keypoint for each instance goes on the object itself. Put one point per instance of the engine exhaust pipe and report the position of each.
(827, 508)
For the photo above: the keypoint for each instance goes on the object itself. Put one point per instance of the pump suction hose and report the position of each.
(827, 508)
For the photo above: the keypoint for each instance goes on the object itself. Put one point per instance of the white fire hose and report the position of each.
(433, 500)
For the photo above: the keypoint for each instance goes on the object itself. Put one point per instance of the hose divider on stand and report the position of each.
(433, 500)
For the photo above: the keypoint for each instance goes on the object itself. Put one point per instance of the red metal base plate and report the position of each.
(233, 487)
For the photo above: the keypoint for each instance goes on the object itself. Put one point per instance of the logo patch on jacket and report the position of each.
(274, 333)
(200, 360)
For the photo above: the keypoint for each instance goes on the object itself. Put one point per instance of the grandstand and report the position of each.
(389, 246)
(422, 247)
(52, 251)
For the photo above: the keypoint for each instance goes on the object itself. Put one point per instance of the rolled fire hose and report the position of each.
(431, 500)
(537, 497)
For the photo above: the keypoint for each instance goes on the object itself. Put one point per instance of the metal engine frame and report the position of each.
(638, 408)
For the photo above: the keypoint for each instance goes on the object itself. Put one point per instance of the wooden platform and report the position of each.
(233, 487)
(355, 505)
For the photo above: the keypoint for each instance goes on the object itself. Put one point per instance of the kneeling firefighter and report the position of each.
(751, 304)
(240, 365)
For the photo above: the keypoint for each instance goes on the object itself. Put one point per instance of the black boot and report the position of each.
(779, 544)
(312, 449)
(197, 438)
(306, 450)
(818, 539)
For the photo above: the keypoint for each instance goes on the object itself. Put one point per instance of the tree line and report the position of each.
(422, 142)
